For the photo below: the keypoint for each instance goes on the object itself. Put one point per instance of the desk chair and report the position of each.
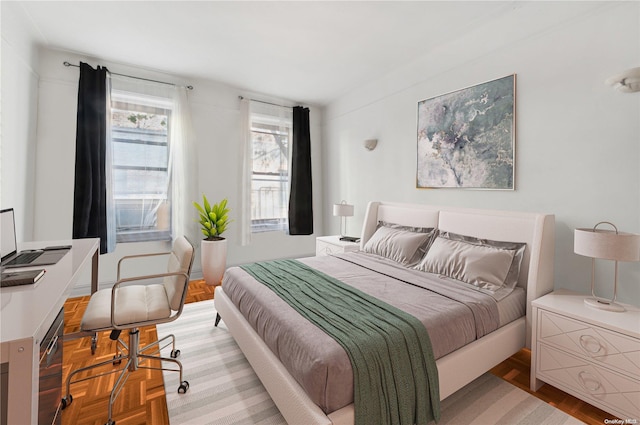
(129, 306)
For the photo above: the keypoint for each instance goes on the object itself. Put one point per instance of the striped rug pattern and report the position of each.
(224, 390)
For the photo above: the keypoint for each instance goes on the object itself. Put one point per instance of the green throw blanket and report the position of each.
(394, 372)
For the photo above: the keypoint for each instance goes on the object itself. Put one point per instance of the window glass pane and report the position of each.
(136, 214)
(270, 180)
(133, 118)
(268, 198)
(270, 154)
(140, 153)
(139, 183)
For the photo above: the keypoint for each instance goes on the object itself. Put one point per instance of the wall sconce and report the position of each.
(607, 245)
(627, 81)
(370, 144)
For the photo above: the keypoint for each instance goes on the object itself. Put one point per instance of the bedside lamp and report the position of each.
(343, 210)
(607, 245)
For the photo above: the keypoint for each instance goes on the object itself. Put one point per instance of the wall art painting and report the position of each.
(466, 139)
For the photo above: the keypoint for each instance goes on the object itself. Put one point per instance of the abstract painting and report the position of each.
(466, 139)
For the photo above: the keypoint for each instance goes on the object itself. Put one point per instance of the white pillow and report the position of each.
(398, 243)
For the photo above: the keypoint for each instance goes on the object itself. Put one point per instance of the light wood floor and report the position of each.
(143, 401)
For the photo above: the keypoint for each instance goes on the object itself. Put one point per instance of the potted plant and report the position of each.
(213, 253)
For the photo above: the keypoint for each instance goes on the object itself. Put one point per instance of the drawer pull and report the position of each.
(53, 345)
(52, 348)
(586, 341)
(588, 378)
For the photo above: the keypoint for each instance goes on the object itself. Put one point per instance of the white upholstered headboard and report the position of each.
(536, 230)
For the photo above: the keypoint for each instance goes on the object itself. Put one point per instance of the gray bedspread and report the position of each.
(452, 314)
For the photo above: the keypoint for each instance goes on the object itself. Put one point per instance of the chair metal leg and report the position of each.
(117, 388)
(184, 385)
(133, 356)
(156, 344)
(217, 319)
(163, 359)
(131, 366)
(67, 399)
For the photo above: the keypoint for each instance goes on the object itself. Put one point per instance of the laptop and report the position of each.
(8, 246)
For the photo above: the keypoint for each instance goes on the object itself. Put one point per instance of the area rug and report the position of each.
(224, 390)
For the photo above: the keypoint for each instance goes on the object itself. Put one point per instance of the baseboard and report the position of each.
(82, 289)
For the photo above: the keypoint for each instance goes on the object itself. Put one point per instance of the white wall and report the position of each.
(578, 140)
(18, 118)
(216, 121)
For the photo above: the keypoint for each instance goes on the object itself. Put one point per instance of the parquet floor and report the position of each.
(516, 370)
(142, 400)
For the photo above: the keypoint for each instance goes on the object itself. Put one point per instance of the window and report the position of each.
(140, 166)
(270, 137)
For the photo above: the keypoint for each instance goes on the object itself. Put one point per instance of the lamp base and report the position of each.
(604, 304)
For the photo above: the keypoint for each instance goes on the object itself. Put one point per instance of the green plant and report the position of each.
(213, 219)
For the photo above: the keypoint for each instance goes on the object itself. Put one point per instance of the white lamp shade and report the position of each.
(342, 210)
(607, 244)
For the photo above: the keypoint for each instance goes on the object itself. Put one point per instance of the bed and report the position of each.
(299, 405)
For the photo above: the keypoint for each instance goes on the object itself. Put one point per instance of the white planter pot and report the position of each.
(213, 259)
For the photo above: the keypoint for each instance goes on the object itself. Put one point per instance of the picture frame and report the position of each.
(466, 138)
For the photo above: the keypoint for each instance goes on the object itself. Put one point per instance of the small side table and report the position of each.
(327, 245)
(589, 353)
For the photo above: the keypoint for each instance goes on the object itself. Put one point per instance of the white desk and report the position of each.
(27, 312)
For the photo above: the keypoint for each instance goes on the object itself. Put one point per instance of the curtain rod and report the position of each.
(262, 101)
(65, 63)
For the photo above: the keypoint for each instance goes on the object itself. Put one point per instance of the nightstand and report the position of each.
(591, 354)
(326, 245)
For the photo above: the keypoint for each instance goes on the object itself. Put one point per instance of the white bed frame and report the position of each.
(455, 370)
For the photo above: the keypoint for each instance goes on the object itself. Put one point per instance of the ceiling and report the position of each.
(303, 51)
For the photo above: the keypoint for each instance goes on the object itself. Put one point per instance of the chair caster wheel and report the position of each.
(184, 386)
(64, 402)
(117, 360)
(175, 354)
(110, 422)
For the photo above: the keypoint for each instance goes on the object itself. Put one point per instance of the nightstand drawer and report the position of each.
(610, 349)
(329, 245)
(598, 385)
(323, 248)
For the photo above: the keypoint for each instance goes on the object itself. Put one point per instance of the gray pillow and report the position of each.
(403, 244)
(491, 266)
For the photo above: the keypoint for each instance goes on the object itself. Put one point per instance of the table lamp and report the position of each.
(607, 245)
(343, 210)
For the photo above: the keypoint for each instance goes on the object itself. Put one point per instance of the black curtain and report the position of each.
(90, 193)
(300, 198)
